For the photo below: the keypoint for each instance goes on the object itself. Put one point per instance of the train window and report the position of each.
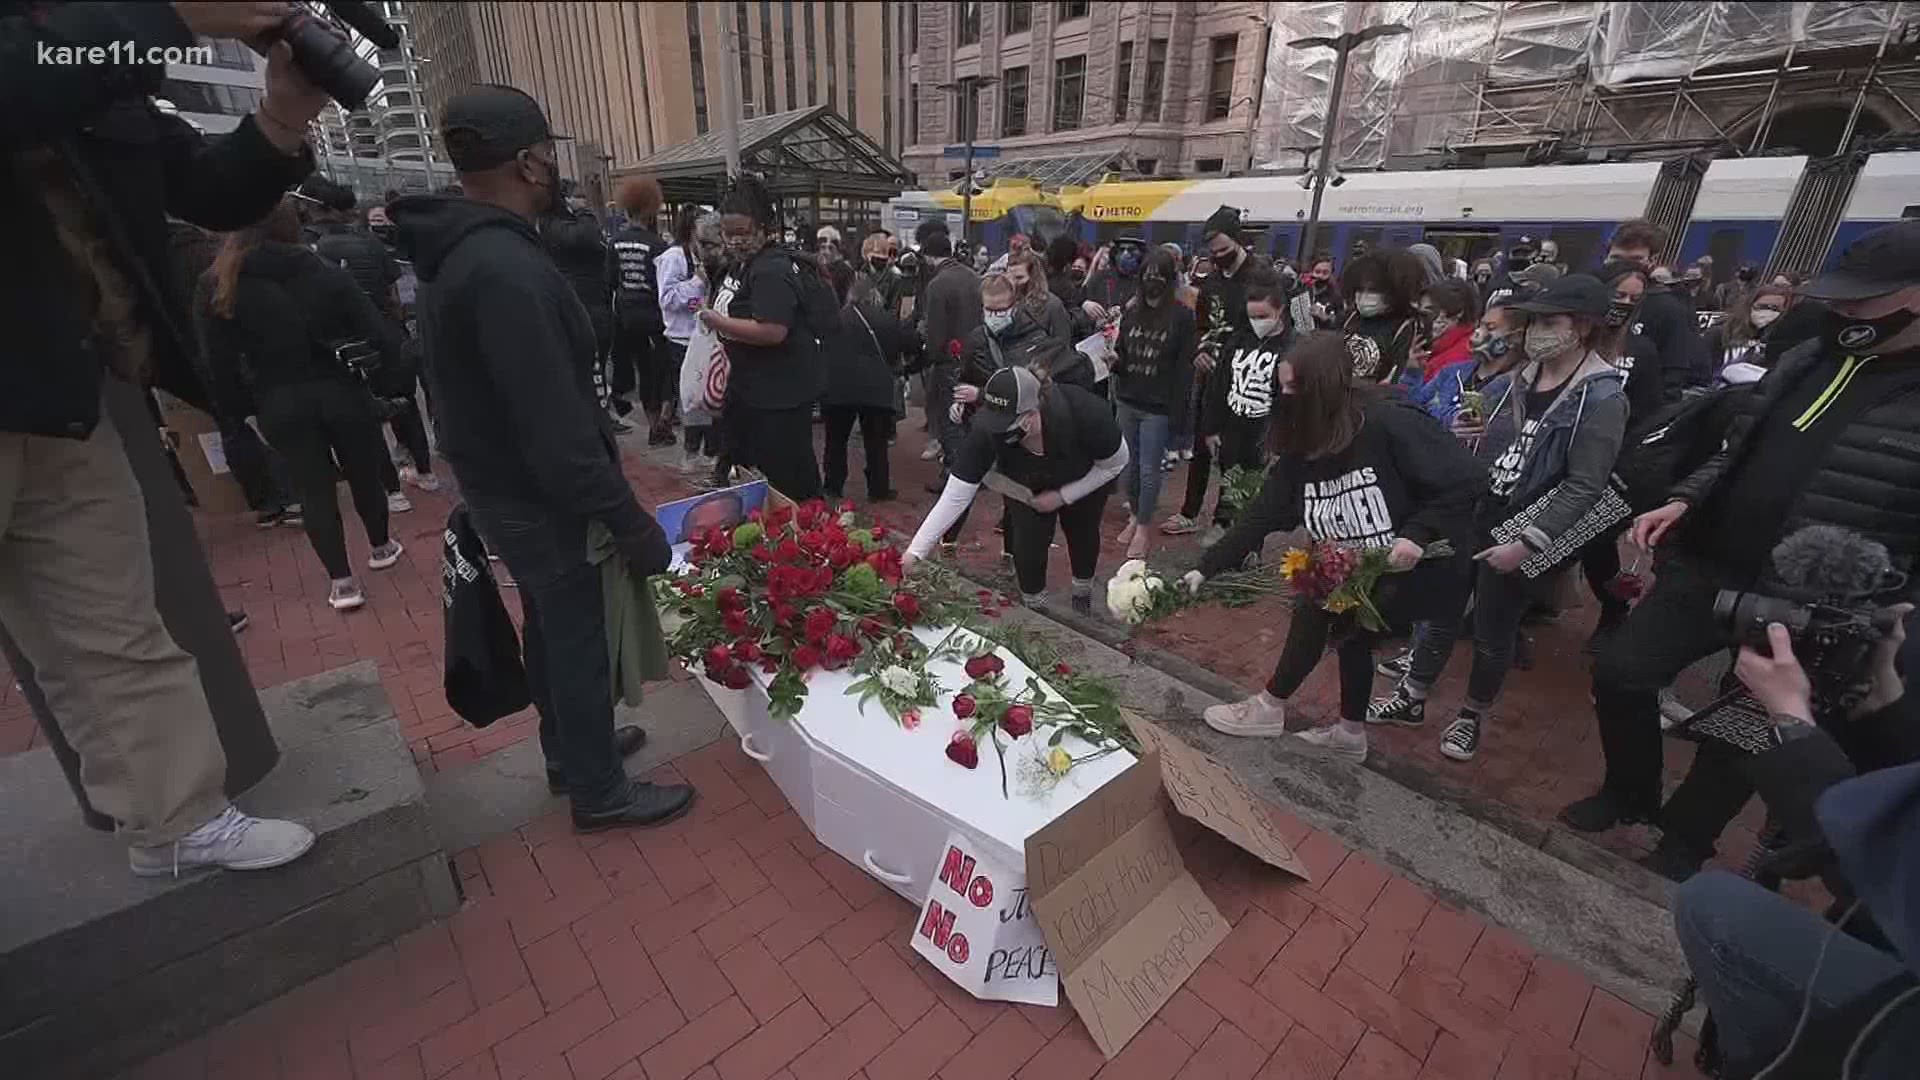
(1728, 248)
(1581, 246)
(1359, 242)
(1040, 223)
(1467, 245)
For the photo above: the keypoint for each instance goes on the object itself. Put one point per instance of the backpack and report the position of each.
(818, 305)
(1672, 443)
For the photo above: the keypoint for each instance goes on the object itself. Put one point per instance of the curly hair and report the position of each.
(1395, 272)
(640, 196)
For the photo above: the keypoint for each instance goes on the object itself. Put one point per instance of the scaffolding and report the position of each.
(1585, 81)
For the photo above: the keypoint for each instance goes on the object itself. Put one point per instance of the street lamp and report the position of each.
(969, 91)
(1342, 47)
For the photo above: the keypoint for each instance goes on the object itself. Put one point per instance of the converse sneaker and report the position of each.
(233, 841)
(1462, 737)
(385, 555)
(398, 503)
(345, 595)
(1399, 708)
(1256, 717)
(1396, 667)
(1179, 525)
(1334, 740)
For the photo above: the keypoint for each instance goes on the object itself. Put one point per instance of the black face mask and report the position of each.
(1847, 333)
(1619, 312)
(1153, 288)
(1076, 275)
(556, 202)
(878, 262)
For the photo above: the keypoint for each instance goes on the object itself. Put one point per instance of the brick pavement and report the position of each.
(732, 946)
(1540, 751)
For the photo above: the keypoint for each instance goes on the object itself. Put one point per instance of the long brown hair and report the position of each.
(282, 224)
(1036, 291)
(1327, 407)
(1740, 328)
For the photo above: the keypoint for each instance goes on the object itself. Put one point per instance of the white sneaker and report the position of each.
(385, 555)
(931, 452)
(345, 595)
(1333, 740)
(1252, 718)
(233, 841)
(425, 481)
(398, 503)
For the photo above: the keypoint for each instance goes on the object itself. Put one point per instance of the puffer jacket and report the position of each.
(1870, 480)
(361, 256)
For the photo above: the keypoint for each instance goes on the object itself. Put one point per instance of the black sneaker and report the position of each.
(267, 519)
(1396, 667)
(237, 621)
(1462, 737)
(1604, 810)
(1083, 604)
(1399, 708)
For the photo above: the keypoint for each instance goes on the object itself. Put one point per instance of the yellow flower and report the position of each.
(1339, 604)
(1059, 761)
(1295, 561)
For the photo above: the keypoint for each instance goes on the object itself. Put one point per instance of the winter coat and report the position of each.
(1025, 342)
(362, 256)
(1575, 445)
(863, 356)
(950, 310)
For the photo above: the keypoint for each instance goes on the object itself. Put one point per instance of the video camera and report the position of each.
(327, 58)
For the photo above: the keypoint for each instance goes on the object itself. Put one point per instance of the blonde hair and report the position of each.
(225, 270)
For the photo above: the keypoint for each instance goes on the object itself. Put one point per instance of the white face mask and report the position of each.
(1369, 304)
(998, 321)
(1545, 343)
(1763, 316)
(1265, 328)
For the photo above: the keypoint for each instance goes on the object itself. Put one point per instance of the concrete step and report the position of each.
(99, 969)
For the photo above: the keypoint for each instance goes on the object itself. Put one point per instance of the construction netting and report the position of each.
(1418, 91)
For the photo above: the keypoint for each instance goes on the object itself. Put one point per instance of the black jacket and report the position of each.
(580, 251)
(1153, 360)
(1028, 344)
(510, 357)
(1225, 307)
(1667, 320)
(950, 310)
(1869, 482)
(133, 165)
(363, 257)
(1402, 476)
(291, 307)
(863, 356)
(630, 268)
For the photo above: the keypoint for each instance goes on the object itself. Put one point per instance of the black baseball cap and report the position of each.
(500, 121)
(1008, 393)
(1574, 294)
(1883, 261)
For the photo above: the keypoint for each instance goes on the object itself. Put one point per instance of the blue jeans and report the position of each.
(1753, 953)
(1146, 435)
(564, 640)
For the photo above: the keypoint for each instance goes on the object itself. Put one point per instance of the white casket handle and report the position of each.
(746, 747)
(883, 874)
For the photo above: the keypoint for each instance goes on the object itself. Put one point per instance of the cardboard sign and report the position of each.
(978, 928)
(1126, 921)
(1208, 792)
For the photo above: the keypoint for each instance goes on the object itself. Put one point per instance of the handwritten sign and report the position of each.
(1209, 793)
(1126, 921)
(978, 927)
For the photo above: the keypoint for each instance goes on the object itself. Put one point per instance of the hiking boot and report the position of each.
(1461, 740)
(1399, 707)
(1253, 718)
(232, 841)
(1334, 740)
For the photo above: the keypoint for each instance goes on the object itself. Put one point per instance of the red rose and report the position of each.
(719, 539)
(980, 667)
(843, 556)
(819, 624)
(953, 350)
(757, 515)
(735, 623)
(872, 629)
(962, 751)
(769, 663)
(780, 518)
(784, 614)
(841, 648)
(727, 598)
(762, 553)
(1061, 668)
(963, 706)
(718, 658)
(910, 719)
(787, 552)
(737, 678)
(908, 605)
(1018, 720)
(846, 506)
(805, 657)
(746, 651)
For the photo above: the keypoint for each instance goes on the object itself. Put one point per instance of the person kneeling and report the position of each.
(1053, 450)
(1356, 468)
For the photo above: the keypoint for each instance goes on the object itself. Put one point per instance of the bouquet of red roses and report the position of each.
(1342, 579)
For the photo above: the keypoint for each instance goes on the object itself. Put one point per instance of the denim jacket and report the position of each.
(1579, 438)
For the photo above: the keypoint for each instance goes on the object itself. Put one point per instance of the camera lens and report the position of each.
(329, 61)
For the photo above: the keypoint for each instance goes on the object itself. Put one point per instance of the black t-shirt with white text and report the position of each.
(1504, 473)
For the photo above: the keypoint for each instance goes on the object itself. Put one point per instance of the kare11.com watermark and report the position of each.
(120, 53)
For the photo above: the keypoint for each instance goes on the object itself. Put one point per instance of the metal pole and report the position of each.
(1324, 167)
(968, 106)
(730, 96)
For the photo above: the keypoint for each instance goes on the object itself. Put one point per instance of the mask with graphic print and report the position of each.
(1619, 312)
(1543, 343)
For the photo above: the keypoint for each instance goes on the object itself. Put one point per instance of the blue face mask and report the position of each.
(1128, 262)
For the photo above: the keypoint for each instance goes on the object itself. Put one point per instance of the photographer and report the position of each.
(1791, 996)
(1817, 442)
(95, 168)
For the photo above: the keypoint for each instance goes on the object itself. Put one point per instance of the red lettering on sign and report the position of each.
(957, 947)
(937, 925)
(980, 893)
(957, 870)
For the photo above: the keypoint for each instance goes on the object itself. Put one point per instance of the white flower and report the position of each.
(899, 681)
(1130, 593)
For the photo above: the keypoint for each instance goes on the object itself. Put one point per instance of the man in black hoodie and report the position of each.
(512, 358)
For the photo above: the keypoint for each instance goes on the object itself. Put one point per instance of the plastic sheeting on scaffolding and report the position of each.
(1418, 91)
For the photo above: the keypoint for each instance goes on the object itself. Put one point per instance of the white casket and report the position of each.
(886, 798)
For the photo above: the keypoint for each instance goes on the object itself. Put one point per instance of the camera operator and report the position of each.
(1762, 960)
(92, 169)
(1827, 438)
